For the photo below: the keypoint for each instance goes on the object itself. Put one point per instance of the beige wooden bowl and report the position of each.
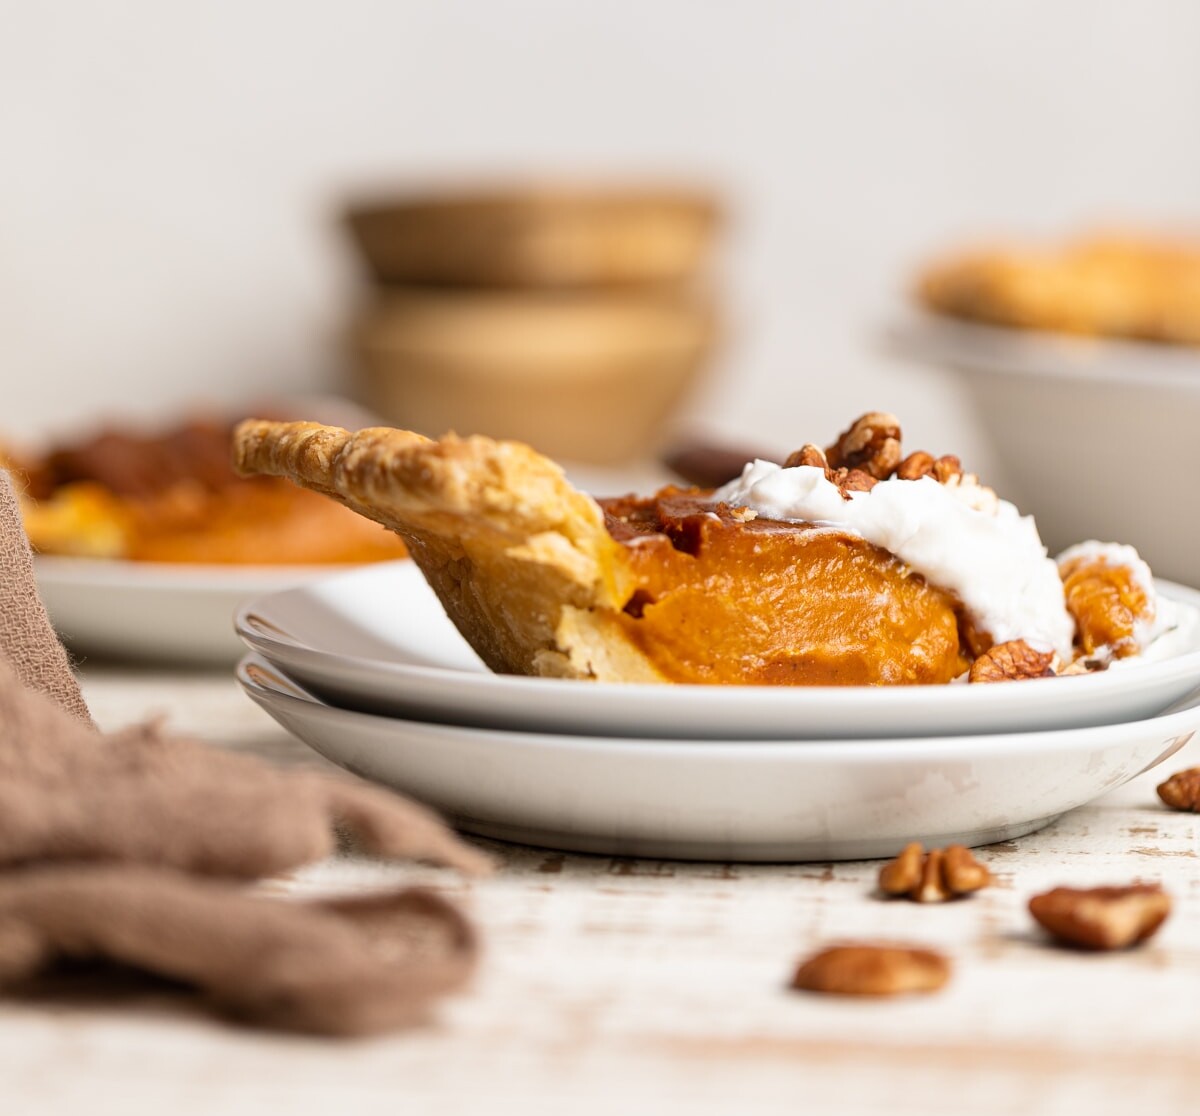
(537, 238)
(582, 377)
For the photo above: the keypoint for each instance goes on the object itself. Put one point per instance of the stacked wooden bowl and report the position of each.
(571, 320)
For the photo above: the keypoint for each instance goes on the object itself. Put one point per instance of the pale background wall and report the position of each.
(169, 171)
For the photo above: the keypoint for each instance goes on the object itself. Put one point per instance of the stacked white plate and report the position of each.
(366, 668)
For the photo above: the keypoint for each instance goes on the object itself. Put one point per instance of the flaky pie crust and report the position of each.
(521, 560)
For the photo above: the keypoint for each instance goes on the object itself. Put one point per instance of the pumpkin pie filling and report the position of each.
(722, 598)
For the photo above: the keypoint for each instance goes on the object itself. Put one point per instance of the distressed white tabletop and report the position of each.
(628, 986)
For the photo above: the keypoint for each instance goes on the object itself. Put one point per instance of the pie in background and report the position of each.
(1108, 285)
(173, 496)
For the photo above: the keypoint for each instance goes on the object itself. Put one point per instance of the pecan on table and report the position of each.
(1182, 790)
(1102, 918)
(872, 969)
(933, 877)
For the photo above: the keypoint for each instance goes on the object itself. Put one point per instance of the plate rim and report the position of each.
(1171, 721)
(81, 571)
(775, 695)
(917, 333)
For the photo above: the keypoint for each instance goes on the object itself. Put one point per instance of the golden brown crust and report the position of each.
(521, 561)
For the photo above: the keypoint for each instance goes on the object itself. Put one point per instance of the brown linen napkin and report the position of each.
(68, 792)
(110, 841)
(341, 966)
(27, 640)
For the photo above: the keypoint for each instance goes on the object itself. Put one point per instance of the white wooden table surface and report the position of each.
(629, 986)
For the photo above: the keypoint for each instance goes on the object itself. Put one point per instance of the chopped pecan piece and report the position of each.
(946, 468)
(915, 466)
(847, 480)
(853, 480)
(1182, 790)
(810, 455)
(1102, 917)
(870, 969)
(872, 444)
(1011, 661)
(934, 877)
(920, 464)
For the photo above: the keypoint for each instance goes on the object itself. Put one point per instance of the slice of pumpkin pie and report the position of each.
(848, 565)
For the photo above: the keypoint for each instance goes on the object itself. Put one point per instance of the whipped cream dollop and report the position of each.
(959, 537)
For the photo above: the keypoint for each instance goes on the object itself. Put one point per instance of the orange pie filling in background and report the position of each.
(173, 496)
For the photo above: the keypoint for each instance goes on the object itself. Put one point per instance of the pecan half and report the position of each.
(934, 877)
(870, 969)
(872, 444)
(1102, 917)
(1011, 661)
(1182, 790)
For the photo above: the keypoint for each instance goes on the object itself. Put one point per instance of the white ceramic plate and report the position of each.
(727, 799)
(160, 611)
(376, 639)
(176, 612)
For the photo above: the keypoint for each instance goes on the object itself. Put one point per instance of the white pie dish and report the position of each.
(376, 639)
(1094, 436)
(778, 800)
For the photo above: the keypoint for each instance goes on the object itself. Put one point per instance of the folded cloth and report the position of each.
(339, 966)
(68, 792)
(109, 844)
